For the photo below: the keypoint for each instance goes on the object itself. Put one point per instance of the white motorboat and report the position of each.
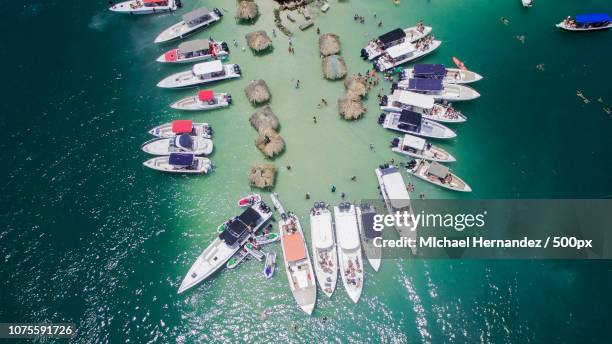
(183, 143)
(297, 260)
(527, 3)
(438, 89)
(413, 123)
(405, 52)
(201, 73)
(377, 46)
(183, 126)
(419, 148)
(145, 6)
(437, 174)
(423, 104)
(365, 218)
(350, 261)
(179, 163)
(195, 51)
(438, 71)
(324, 252)
(192, 21)
(232, 235)
(397, 200)
(587, 22)
(203, 100)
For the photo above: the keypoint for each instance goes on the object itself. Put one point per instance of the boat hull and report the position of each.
(161, 146)
(181, 30)
(350, 260)
(326, 259)
(165, 130)
(161, 164)
(222, 100)
(372, 51)
(429, 129)
(186, 79)
(453, 76)
(384, 65)
(582, 29)
(127, 7)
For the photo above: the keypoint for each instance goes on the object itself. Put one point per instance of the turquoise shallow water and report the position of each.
(88, 235)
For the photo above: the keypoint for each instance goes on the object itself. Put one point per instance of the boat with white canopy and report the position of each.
(192, 21)
(587, 22)
(377, 46)
(438, 89)
(203, 100)
(419, 148)
(182, 126)
(437, 174)
(324, 251)
(350, 261)
(405, 52)
(421, 103)
(195, 51)
(365, 219)
(410, 122)
(179, 163)
(438, 71)
(183, 143)
(145, 6)
(201, 73)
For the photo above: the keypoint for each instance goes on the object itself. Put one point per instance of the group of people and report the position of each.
(325, 261)
(351, 271)
(424, 43)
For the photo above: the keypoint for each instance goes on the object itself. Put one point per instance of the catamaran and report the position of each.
(437, 174)
(377, 46)
(179, 163)
(438, 71)
(413, 123)
(405, 52)
(196, 50)
(201, 73)
(324, 252)
(438, 89)
(365, 218)
(423, 104)
(297, 260)
(587, 22)
(203, 100)
(183, 126)
(183, 143)
(419, 148)
(145, 6)
(192, 21)
(232, 235)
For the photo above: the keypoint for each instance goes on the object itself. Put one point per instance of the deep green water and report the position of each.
(87, 235)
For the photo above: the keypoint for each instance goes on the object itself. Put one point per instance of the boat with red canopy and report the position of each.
(183, 126)
(145, 6)
(203, 100)
(196, 50)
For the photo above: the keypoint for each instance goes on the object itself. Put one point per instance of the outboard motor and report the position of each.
(178, 3)
(218, 12)
(229, 98)
(393, 86)
(395, 142)
(237, 69)
(384, 101)
(364, 54)
(225, 47)
(411, 164)
(381, 118)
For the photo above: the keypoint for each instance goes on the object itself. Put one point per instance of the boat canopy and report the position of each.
(206, 95)
(411, 119)
(250, 217)
(193, 46)
(207, 67)
(196, 16)
(595, 18)
(367, 220)
(233, 231)
(184, 140)
(346, 226)
(400, 50)
(323, 237)
(429, 71)
(180, 159)
(438, 170)
(392, 36)
(414, 99)
(155, 1)
(396, 190)
(414, 142)
(293, 245)
(425, 84)
(182, 126)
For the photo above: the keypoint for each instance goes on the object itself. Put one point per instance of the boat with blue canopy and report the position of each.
(183, 143)
(440, 72)
(587, 22)
(437, 89)
(413, 123)
(377, 46)
(179, 163)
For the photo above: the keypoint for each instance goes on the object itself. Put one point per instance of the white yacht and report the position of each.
(405, 52)
(365, 218)
(324, 253)
(192, 21)
(195, 51)
(439, 90)
(183, 143)
(438, 71)
(350, 261)
(377, 46)
(182, 126)
(201, 73)
(203, 100)
(145, 6)
(180, 163)
(232, 235)
(419, 148)
(437, 174)
(413, 123)
(421, 103)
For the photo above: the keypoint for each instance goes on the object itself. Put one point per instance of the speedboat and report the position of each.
(438, 89)
(405, 52)
(297, 260)
(397, 200)
(145, 6)
(587, 22)
(269, 265)
(349, 249)
(365, 219)
(249, 200)
(437, 174)
(192, 21)
(203, 100)
(410, 122)
(196, 50)
(183, 126)
(324, 252)
(179, 163)
(419, 148)
(201, 73)
(183, 143)
(438, 71)
(377, 46)
(423, 104)
(232, 235)
(527, 3)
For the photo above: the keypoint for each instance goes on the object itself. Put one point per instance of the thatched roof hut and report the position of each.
(329, 44)
(334, 67)
(247, 10)
(269, 142)
(258, 40)
(262, 176)
(264, 118)
(257, 92)
(350, 108)
(356, 86)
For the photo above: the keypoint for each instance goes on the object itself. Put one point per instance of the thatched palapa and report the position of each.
(263, 119)
(262, 176)
(258, 40)
(334, 67)
(257, 92)
(350, 108)
(269, 142)
(356, 86)
(329, 44)
(247, 10)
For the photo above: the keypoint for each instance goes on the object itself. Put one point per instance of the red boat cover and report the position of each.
(171, 55)
(163, 2)
(182, 126)
(206, 95)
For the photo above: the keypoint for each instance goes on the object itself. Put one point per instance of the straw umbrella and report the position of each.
(329, 44)
(258, 40)
(334, 67)
(262, 176)
(247, 10)
(269, 142)
(356, 86)
(350, 108)
(257, 92)
(264, 118)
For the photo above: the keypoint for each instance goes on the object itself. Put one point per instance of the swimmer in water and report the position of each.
(540, 67)
(504, 20)
(521, 38)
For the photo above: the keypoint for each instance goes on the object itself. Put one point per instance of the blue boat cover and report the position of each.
(392, 36)
(429, 70)
(367, 220)
(185, 141)
(585, 19)
(181, 159)
(411, 118)
(425, 85)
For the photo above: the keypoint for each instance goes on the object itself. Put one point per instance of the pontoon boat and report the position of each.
(201, 73)
(192, 21)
